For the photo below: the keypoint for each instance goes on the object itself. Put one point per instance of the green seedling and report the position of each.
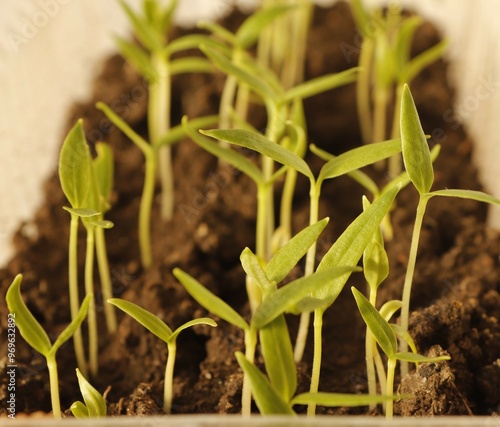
(82, 181)
(37, 338)
(268, 320)
(386, 336)
(153, 60)
(270, 402)
(95, 404)
(159, 328)
(418, 165)
(150, 152)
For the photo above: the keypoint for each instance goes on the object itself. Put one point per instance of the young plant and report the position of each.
(385, 334)
(82, 181)
(95, 403)
(159, 328)
(37, 338)
(418, 165)
(153, 60)
(150, 152)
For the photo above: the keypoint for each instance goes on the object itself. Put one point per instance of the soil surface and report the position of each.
(455, 299)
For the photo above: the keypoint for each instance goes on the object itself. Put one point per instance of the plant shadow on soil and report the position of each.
(456, 299)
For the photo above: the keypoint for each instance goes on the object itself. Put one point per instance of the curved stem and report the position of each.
(169, 377)
(89, 289)
(316, 369)
(106, 288)
(410, 270)
(246, 393)
(391, 368)
(145, 209)
(54, 386)
(73, 292)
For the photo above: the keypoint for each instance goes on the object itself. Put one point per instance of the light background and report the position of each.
(50, 51)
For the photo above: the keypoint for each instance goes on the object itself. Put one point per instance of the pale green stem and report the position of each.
(300, 342)
(379, 364)
(145, 209)
(410, 270)
(226, 102)
(159, 125)
(287, 205)
(106, 288)
(380, 118)
(316, 368)
(89, 290)
(395, 166)
(242, 101)
(54, 386)
(73, 292)
(168, 389)
(391, 368)
(363, 90)
(370, 347)
(246, 393)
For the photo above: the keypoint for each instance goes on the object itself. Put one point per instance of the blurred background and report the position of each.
(51, 50)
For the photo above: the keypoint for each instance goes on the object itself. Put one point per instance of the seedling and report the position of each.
(153, 60)
(159, 328)
(95, 404)
(385, 334)
(86, 185)
(37, 338)
(418, 164)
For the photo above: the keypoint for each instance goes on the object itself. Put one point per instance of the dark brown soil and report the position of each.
(456, 291)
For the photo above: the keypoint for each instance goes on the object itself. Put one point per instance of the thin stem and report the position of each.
(169, 377)
(300, 342)
(89, 289)
(54, 386)
(363, 90)
(380, 115)
(286, 205)
(246, 393)
(145, 209)
(370, 347)
(106, 287)
(73, 292)
(412, 259)
(158, 125)
(395, 166)
(391, 368)
(316, 368)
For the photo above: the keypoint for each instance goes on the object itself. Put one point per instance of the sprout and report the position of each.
(37, 338)
(159, 328)
(95, 404)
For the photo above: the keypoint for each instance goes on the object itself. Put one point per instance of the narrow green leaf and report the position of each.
(147, 319)
(404, 38)
(166, 21)
(192, 41)
(404, 335)
(75, 163)
(137, 57)
(361, 17)
(28, 326)
(104, 171)
(416, 154)
(83, 212)
(263, 145)
(79, 410)
(266, 397)
(349, 247)
(379, 327)
(94, 402)
(290, 254)
(101, 224)
(288, 296)
(191, 323)
(230, 156)
(125, 128)
(143, 31)
(258, 85)
(70, 330)
(177, 132)
(191, 64)
(308, 304)
(417, 64)
(418, 358)
(375, 264)
(340, 399)
(479, 196)
(321, 84)
(251, 265)
(219, 31)
(209, 301)
(359, 157)
(389, 308)
(277, 351)
(252, 27)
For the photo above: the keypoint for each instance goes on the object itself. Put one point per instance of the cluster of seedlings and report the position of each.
(275, 77)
